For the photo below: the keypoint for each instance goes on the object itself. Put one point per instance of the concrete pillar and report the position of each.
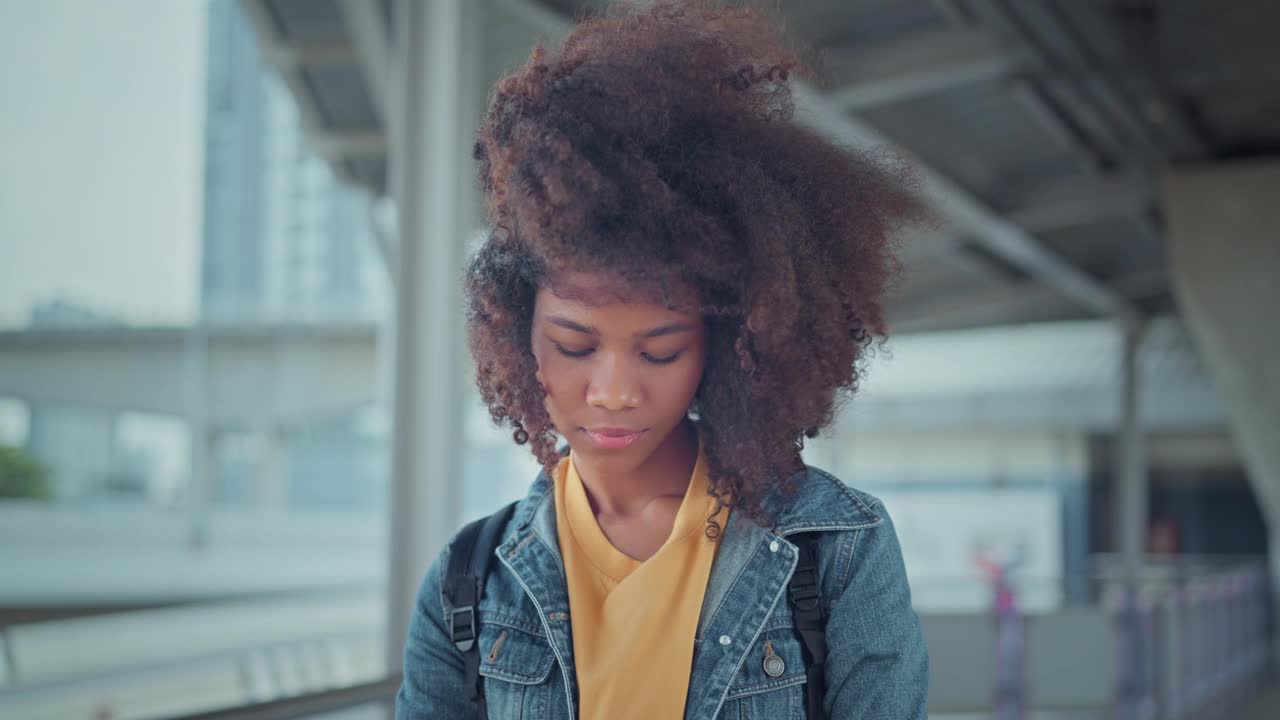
(196, 400)
(436, 101)
(1130, 523)
(1224, 254)
(1130, 466)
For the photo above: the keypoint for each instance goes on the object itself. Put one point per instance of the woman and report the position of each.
(680, 285)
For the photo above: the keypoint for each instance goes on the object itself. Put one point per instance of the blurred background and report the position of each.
(236, 414)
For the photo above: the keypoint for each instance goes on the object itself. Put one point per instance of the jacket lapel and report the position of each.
(732, 615)
(532, 553)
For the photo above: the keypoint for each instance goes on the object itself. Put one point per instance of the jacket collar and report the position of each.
(536, 509)
(818, 502)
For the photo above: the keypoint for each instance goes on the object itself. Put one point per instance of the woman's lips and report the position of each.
(613, 438)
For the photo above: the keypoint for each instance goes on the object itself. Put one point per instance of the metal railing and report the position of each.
(1192, 637)
(381, 692)
(1189, 637)
(1201, 638)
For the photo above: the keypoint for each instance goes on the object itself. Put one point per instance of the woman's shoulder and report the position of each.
(820, 501)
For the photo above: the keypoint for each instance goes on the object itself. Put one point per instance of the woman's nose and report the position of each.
(613, 386)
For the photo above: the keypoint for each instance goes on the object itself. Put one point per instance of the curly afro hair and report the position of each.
(658, 145)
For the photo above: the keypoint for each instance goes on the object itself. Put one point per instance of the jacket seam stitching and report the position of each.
(725, 598)
(531, 502)
(742, 657)
(848, 493)
(848, 574)
(564, 669)
(766, 686)
(510, 621)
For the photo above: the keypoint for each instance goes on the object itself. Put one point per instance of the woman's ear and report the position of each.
(537, 373)
(694, 413)
(537, 361)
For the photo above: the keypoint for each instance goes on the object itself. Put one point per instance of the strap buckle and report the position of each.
(803, 590)
(463, 634)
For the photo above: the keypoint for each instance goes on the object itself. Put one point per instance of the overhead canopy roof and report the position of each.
(1041, 126)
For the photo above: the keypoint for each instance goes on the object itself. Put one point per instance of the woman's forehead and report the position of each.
(598, 289)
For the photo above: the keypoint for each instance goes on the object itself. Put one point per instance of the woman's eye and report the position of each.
(656, 360)
(661, 360)
(572, 353)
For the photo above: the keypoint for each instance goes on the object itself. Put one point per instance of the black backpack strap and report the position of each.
(806, 609)
(462, 587)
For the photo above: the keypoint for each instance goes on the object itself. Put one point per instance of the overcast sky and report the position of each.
(102, 127)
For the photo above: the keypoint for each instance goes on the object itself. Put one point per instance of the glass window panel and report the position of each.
(194, 455)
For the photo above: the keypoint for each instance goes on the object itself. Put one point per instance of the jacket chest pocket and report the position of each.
(770, 683)
(516, 666)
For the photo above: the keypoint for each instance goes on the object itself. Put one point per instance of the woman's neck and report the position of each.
(664, 473)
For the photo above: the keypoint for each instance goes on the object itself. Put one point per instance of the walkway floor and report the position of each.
(1264, 707)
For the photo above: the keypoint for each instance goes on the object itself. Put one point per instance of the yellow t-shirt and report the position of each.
(634, 622)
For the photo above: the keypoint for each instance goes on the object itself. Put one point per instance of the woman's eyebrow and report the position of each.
(565, 322)
(668, 329)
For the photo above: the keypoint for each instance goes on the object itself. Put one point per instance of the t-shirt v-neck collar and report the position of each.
(595, 545)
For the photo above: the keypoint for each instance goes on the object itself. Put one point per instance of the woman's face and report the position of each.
(619, 376)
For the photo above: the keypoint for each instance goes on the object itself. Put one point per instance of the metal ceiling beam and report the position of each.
(373, 47)
(278, 52)
(1088, 156)
(1003, 304)
(962, 259)
(349, 145)
(965, 213)
(926, 244)
(1089, 32)
(922, 65)
(955, 205)
(295, 56)
(953, 252)
(1093, 153)
(953, 10)
(1090, 88)
(1006, 304)
(1077, 202)
(289, 60)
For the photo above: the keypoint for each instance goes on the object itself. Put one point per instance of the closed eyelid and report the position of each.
(649, 355)
(663, 359)
(571, 346)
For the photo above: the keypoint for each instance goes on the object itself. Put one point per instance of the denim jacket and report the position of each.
(877, 665)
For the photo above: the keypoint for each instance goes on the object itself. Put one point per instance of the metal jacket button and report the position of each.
(774, 666)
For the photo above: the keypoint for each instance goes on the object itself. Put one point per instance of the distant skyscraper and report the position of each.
(283, 240)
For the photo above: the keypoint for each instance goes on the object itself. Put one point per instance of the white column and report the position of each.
(436, 105)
